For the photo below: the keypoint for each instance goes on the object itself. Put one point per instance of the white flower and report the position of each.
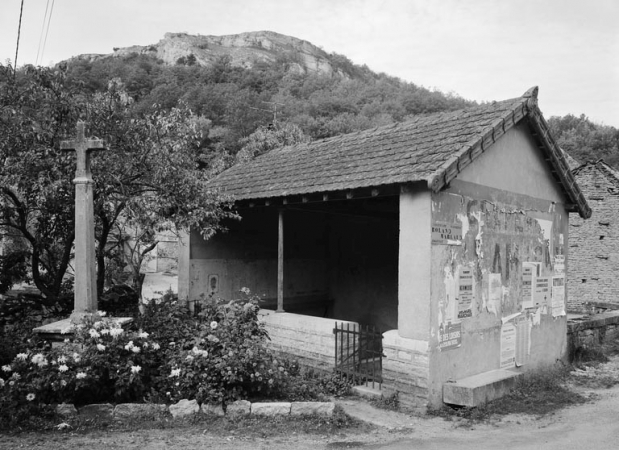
(143, 334)
(101, 313)
(63, 383)
(245, 290)
(104, 331)
(114, 332)
(100, 347)
(62, 359)
(22, 356)
(98, 324)
(135, 369)
(135, 349)
(63, 368)
(15, 376)
(30, 397)
(76, 357)
(156, 346)
(145, 345)
(7, 368)
(189, 358)
(80, 375)
(213, 325)
(129, 345)
(175, 372)
(94, 333)
(11, 383)
(36, 359)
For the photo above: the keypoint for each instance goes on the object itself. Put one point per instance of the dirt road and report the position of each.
(592, 425)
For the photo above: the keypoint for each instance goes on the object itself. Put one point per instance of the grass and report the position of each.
(548, 390)
(240, 426)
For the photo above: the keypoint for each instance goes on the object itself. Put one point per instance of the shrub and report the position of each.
(226, 359)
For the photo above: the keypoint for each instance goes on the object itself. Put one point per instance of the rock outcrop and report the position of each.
(243, 50)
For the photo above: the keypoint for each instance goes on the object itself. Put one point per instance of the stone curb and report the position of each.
(183, 408)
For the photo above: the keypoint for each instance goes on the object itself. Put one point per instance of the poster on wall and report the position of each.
(508, 346)
(466, 293)
(446, 233)
(559, 266)
(541, 293)
(526, 290)
(558, 296)
(495, 293)
(449, 335)
(523, 339)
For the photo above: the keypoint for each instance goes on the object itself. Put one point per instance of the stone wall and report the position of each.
(308, 339)
(592, 331)
(594, 243)
(406, 369)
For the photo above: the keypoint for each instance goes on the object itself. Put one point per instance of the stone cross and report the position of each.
(85, 288)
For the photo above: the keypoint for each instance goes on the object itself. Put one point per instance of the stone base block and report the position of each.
(481, 388)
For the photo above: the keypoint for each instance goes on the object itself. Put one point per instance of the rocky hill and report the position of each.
(244, 50)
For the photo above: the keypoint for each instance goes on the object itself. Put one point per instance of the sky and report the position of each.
(481, 50)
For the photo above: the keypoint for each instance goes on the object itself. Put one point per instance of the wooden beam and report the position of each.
(280, 263)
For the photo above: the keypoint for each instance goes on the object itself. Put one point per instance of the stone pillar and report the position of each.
(85, 286)
(414, 264)
(184, 265)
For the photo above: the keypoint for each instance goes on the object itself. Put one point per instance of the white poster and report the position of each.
(466, 293)
(508, 346)
(541, 293)
(558, 296)
(526, 290)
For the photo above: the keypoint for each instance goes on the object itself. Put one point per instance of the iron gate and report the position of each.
(359, 353)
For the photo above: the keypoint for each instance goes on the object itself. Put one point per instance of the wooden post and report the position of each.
(280, 263)
(85, 288)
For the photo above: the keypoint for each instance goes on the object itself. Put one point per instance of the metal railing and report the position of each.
(359, 353)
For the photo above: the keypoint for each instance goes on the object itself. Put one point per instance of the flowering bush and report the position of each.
(228, 359)
(218, 356)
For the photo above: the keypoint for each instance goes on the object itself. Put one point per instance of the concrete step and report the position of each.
(478, 389)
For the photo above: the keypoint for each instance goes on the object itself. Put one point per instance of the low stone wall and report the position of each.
(591, 331)
(107, 412)
(306, 338)
(406, 369)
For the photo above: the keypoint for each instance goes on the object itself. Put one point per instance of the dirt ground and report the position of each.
(593, 424)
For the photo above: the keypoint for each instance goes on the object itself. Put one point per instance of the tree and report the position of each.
(267, 138)
(149, 177)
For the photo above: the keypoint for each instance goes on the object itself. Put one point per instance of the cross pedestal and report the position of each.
(85, 287)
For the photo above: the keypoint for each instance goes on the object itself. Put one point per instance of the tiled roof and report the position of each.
(431, 148)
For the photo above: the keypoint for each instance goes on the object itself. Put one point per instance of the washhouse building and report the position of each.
(447, 233)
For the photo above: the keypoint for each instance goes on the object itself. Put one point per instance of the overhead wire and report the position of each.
(18, 34)
(36, 62)
(49, 19)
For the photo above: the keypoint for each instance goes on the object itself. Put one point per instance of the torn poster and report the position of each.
(495, 293)
(558, 296)
(508, 346)
(466, 293)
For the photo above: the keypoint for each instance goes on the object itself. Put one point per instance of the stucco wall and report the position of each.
(501, 214)
(594, 243)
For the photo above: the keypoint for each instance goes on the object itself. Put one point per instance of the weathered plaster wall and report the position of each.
(594, 243)
(502, 214)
